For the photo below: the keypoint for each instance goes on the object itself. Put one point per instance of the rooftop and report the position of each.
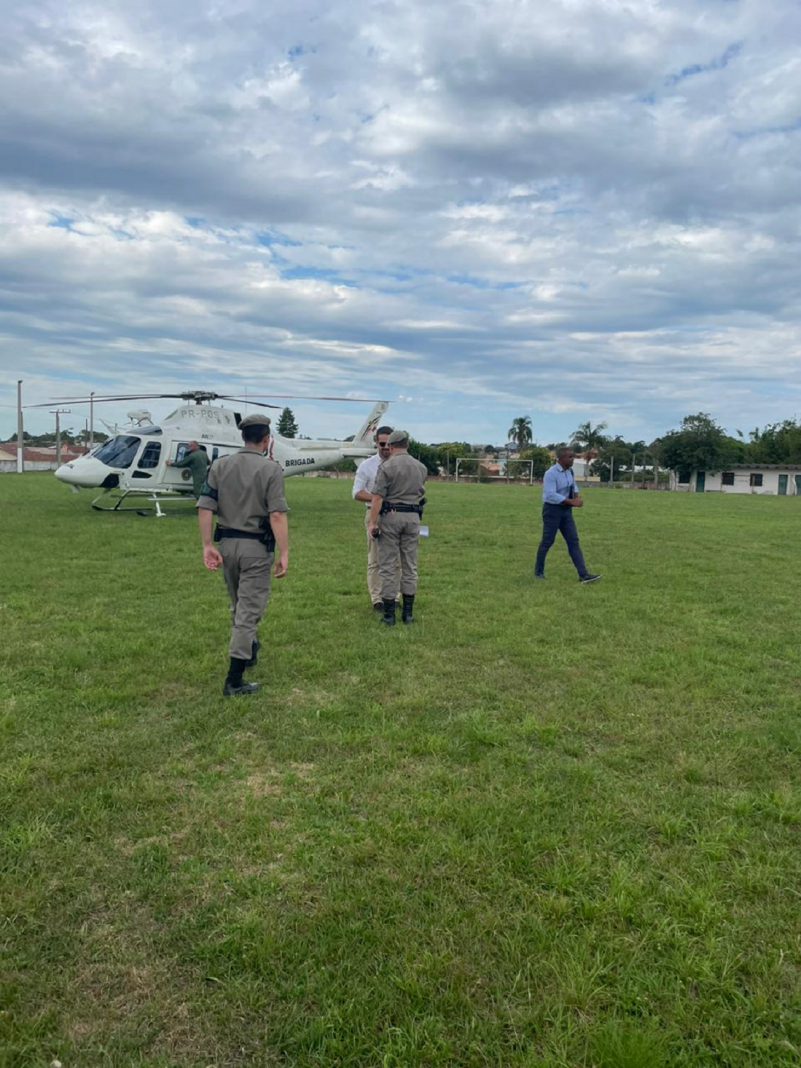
(763, 467)
(42, 453)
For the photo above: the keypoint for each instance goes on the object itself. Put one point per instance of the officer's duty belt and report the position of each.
(223, 532)
(389, 507)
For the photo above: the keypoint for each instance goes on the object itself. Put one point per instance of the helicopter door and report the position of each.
(148, 461)
(181, 478)
(177, 477)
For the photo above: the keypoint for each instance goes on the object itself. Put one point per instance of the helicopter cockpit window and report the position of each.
(118, 452)
(151, 455)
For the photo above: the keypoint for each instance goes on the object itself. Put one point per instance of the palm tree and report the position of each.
(520, 431)
(588, 438)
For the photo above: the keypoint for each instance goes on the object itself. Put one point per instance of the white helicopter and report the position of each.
(133, 463)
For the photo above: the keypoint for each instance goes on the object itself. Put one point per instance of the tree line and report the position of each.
(44, 441)
(612, 457)
(698, 444)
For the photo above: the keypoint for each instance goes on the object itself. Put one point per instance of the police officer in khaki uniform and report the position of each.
(363, 491)
(246, 491)
(398, 500)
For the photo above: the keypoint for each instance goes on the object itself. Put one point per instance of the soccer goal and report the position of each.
(518, 471)
(468, 469)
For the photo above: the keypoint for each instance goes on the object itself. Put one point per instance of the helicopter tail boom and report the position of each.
(364, 437)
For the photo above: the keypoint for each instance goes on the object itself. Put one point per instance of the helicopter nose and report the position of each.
(86, 472)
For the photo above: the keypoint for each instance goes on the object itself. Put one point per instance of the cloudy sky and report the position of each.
(571, 209)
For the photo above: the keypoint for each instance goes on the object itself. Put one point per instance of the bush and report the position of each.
(426, 454)
(541, 458)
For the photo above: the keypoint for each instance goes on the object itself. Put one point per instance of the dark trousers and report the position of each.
(556, 517)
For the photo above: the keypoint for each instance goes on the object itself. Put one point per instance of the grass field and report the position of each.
(549, 825)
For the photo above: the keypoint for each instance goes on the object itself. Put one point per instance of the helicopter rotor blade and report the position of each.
(199, 396)
(106, 400)
(247, 400)
(301, 396)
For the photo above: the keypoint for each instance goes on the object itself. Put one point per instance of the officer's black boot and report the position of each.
(408, 605)
(254, 656)
(389, 614)
(235, 685)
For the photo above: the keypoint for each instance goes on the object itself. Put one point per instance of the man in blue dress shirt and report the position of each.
(560, 496)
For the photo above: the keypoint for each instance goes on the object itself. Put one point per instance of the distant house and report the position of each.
(581, 470)
(43, 452)
(37, 457)
(783, 480)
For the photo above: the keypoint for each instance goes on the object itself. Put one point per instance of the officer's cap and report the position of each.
(398, 437)
(255, 420)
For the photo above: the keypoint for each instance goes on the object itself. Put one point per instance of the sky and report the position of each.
(567, 209)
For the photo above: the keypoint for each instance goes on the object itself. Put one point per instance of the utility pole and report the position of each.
(58, 412)
(91, 421)
(20, 436)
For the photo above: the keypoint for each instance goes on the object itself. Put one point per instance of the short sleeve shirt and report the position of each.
(243, 489)
(401, 479)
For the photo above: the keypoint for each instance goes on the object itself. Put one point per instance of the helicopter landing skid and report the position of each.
(151, 504)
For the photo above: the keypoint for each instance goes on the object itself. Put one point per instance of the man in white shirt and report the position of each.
(363, 491)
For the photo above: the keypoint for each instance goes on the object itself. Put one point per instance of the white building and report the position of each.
(783, 480)
(581, 471)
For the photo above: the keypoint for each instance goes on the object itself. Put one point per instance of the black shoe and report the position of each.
(539, 575)
(408, 605)
(378, 606)
(388, 617)
(254, 656)
(232, 689)
(589, 578)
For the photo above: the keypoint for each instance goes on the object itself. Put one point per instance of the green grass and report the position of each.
(549, 825)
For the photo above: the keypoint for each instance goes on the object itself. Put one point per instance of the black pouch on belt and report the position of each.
(267, 537)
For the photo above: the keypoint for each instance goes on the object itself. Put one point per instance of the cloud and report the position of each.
(567, 208)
